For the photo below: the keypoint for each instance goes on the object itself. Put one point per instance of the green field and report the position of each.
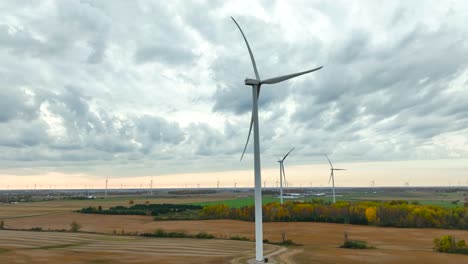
(241, 202)
(440, 199)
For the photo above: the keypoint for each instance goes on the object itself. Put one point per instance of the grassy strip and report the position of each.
(162, 233)
(239, 238)
(185, 215)
(62, 246)
(463, 251)
(285, 243)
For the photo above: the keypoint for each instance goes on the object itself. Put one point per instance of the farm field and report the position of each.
(428, 197)
(54, 247)
(59, 206)
(320, 241)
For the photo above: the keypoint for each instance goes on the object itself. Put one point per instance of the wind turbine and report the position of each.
(283, 174)
(407, 183)
(256, 84)
(151, 186)
(373, 189)
(332, 177)
(107, 180)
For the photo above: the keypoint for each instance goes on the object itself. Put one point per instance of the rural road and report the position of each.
(281, 255)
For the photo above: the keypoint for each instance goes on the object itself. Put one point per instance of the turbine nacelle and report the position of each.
(252, 82)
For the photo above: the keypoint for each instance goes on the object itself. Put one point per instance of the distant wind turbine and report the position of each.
(256, 84)
(151, 186)
(332, 176)
(107, 180)
(283, 174)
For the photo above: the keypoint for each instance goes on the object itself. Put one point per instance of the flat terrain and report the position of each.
(319, 241)
(54, 247)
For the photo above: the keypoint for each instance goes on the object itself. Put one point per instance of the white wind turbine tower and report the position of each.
(151, 186)
(256, 84)
(283, 174)
(332, 177)
(107, 180)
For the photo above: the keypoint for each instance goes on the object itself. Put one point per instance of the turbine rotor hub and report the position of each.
(251, 82)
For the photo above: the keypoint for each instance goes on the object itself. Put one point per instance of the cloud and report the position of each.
(139, 88)
(15, 103)
(164, 54)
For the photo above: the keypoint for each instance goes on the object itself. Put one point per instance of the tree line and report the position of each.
(390, 214)
(141, 209)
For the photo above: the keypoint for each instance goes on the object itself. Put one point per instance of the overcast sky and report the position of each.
(138, 88)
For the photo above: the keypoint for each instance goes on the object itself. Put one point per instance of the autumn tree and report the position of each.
(74, 226)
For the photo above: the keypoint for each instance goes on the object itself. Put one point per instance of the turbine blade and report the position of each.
(287, 77)
(329, 180)
(250, 51)
(281, 170)
(284, 173)
(248, 137)
(287, 154)
(328, 160)
(339, 169)
(251, 124)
